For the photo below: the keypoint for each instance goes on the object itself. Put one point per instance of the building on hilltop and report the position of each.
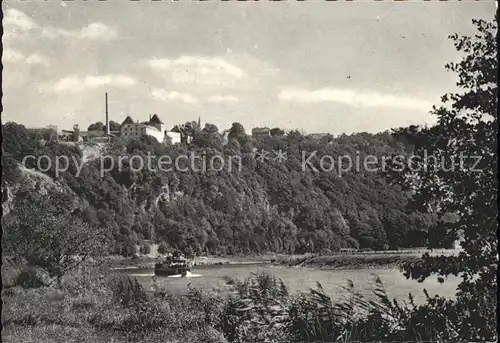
(261, 132)
(323, 137)
(85, 136)
(187, 131)
(128, 129)
(154, 127)
(48, 133)
(156, 122)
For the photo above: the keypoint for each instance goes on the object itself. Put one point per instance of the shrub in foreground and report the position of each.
(259, 309)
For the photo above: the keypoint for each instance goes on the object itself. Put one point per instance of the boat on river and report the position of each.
(173, 265)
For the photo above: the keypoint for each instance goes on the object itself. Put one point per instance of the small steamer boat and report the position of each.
(174, 264)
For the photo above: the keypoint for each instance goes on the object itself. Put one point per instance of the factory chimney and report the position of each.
(107, 117)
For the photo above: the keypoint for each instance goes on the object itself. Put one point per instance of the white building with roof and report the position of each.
(154, 127)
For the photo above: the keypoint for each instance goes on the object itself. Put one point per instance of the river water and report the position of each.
(302, 279)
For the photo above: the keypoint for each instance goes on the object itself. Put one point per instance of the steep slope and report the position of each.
(273, 204)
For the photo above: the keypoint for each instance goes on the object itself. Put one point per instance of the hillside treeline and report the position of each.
(256, 206)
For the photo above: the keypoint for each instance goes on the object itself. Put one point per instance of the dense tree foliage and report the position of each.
(295, 193)
(99, 126)
(277, 132)
(223, 199)
(46, 230)
(460, 178)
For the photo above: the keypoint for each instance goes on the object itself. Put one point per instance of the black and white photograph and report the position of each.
(249, 171)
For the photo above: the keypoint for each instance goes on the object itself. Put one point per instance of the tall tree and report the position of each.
(277, 132)
(99, 126)
(457, 173)
(47, 232)
(236, 130)
(114, 126)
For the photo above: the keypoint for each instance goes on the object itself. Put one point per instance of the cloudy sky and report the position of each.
(318, 66)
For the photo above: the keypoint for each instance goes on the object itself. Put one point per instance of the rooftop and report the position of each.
(128, 120)
(155, 120)
(260, 130)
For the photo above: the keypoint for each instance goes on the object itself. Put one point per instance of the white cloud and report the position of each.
(97, 31)
(190, 70)
(18, 19)
(37, 59)
(210, 65)
(173, 96)
(10, 55)
(94, 31)
(216, 99)
(159, 64)
(354, 98)
(115, 80)
(74, 84)
(17, 24)
(162, 94)
(14, 56)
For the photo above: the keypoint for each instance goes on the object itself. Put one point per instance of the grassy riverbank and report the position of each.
(94, 305)
(351, 261)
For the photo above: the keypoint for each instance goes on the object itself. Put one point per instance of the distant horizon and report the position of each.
(221, 129)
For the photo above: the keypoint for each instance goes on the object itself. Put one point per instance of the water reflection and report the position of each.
(302, 279)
